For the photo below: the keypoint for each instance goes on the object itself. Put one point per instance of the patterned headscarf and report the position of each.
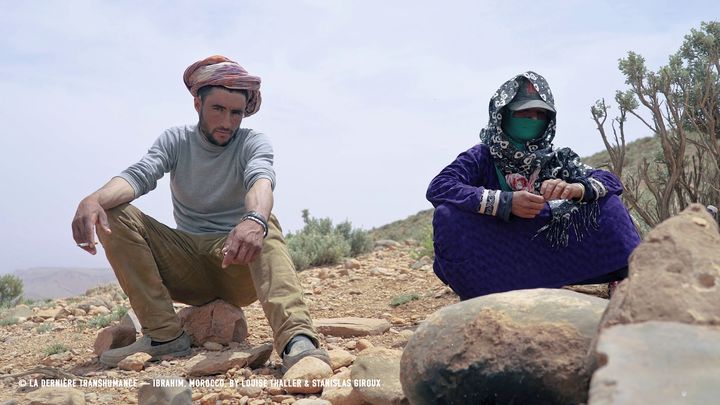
(539, 161)
(218, 70)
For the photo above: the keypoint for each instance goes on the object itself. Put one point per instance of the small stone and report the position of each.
(352, 264)
(212, 346)
(210, 399)
(249, 391)
(177, 392)
(340, 358)
(134, 362)
(363, 344)
(275, 390)
(351, 345)
(47, 395)
(307, 370)
(351, 326)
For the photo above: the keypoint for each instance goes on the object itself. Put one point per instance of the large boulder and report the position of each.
(218, 322)
(673, 274)
(519, 347)
(657, 363)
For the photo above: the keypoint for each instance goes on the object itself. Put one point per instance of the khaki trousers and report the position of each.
(156, 265)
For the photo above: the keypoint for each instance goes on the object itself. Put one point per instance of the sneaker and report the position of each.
(178, 347)
(301, 347)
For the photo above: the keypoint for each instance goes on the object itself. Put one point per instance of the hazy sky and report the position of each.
(364, 101)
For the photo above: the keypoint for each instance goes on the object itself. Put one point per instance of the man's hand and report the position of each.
(526, 204)
(243, 244)
(556, 189)
(89, 214)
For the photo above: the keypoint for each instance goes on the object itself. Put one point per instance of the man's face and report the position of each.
(220, 114)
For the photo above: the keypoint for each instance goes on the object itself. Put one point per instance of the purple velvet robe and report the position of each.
(478, 254)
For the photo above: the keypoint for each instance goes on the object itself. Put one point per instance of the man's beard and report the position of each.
(210, 134)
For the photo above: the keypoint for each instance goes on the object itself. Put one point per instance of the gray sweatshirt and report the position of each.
(208, 182)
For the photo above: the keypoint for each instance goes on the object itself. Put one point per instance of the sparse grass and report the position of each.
(425, 244)
(45, 327)
(55, 348)
(403, 299)
(102, 321)
(8, 321)
(43, 303)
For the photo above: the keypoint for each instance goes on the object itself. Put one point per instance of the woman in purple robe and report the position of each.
(513, 212)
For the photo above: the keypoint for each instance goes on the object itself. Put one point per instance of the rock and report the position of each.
(363, 344)
(308, 401)
(47, 313)
(168, 391)
(95, 310)
(62, 313)
(305, 371)
(352, 264)
(379, 369)
(20, 311)
(56, 396)
(523, 346)
(249, 391)
(346, 327)
(210, 399)
(212, 346)
(340, 358)
(387, 243)
(131, 320)
(342, 394)
(220, 362)
(134, 362)
(217, 321)
(58, 359)
(93, 302)
(351, 344)
(674, 274)
(113, 337)
(657, 363)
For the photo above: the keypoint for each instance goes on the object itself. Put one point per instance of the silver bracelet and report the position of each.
(258, 218)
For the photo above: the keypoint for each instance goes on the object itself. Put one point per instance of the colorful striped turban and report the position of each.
(218, 70)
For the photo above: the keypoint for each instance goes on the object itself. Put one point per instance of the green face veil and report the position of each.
(522, 130)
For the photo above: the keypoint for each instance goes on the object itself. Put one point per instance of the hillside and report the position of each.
(58, 282)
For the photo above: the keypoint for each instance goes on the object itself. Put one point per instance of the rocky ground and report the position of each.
(390, 283)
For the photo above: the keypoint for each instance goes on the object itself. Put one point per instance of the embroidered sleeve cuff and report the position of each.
(490, 202)
(598, 188)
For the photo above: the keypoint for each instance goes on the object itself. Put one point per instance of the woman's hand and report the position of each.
(556, 189)
(526, 204)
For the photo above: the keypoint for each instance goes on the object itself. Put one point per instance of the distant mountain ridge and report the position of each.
(60, 282)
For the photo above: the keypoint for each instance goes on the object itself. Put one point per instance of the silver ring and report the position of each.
(84, 244)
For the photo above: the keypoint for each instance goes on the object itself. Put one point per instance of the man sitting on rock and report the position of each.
(227, 244)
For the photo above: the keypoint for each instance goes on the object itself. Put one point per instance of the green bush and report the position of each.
(11, 289)
(320, 243)
(8, 321)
